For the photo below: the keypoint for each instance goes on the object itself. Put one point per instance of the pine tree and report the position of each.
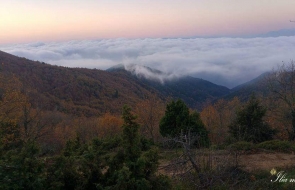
(249, 124)
(197, 129)
(177, 121)
(131, 167)
(131, 139)
(20, 167)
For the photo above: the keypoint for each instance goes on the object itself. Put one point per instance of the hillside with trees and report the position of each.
(70, 128)
(77, 91)
(89, 92)
(193, 91)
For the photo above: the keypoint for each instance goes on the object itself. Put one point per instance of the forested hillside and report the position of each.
(77, 91)
(91, 92)
(69, 128)
(194, 91)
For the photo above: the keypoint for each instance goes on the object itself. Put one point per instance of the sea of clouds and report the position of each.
(224, 61)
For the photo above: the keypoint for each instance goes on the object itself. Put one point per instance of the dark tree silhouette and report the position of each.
(249, 124)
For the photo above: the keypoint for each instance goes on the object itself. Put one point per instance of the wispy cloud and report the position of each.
(225, 61)
(151, 74)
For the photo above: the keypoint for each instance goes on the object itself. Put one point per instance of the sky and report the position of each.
(223, 41)
(44, 20)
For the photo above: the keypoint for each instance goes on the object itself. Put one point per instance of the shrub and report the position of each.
(241, 146)
(218, 147)
(277, 145)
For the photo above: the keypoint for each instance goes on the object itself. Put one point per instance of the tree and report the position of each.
(36, 124)
(149, 113)
(78, 167)
(11, 99)
(197, 129)
(131, 167)
(131, 140)
(281, 83)
(217, 118)
(249, 124)
(177, 121)
(108, 125)
(20, 167)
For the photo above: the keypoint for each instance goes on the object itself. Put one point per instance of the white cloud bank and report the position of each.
(225, 61)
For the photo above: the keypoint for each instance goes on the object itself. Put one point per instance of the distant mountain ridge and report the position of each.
(278, 33)
(256, 86)
(194, 91)
(92, 92)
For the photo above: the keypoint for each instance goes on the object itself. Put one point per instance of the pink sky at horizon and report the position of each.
(40, 20)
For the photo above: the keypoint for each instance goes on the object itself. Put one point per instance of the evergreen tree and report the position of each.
(127, 162)
(78, 167)
(177, 121)
(20, 167)
(249, 124)
(131, 139)
(197, 129)
(131, 167)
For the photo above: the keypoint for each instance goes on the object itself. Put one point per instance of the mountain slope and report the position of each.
(258, 86)
(76, 91)
(194, 91)
(92, 92)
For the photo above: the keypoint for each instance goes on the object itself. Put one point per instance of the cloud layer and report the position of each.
(224, 61)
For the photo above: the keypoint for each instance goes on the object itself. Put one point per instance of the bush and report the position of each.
(241, 145)
(277, 145)
(230, 140)
(218, 147)
(111, 143)
(146, 144)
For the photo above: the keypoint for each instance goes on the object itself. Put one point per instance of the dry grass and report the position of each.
(218, 168)
(262, 160)
(266, 161)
